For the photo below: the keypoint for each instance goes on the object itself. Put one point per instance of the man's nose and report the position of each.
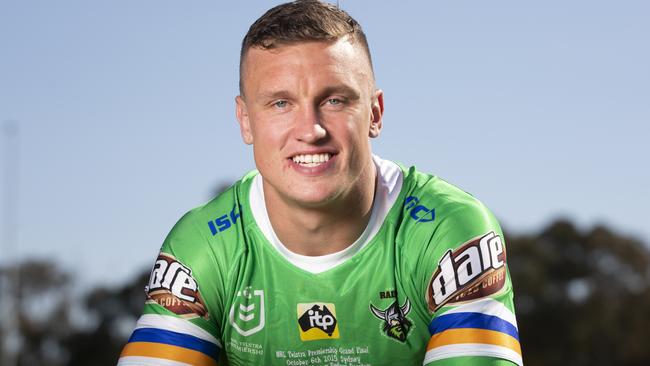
(309, 127)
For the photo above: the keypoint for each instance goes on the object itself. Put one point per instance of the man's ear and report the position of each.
(377, 112)
(244, 122)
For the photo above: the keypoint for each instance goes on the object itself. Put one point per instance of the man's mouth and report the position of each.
(311, 160)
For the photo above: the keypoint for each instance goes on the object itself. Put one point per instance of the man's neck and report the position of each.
(315, 231)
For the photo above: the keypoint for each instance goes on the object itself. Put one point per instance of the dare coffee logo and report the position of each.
(476, 269)
(172, 286)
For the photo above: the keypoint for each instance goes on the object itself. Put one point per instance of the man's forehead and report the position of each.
(339, 48)
(341, 57)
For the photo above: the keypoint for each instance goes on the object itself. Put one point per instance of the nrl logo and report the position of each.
(396, 324)
(249, 307)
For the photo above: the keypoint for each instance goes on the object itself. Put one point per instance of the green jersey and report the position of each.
(426, 283)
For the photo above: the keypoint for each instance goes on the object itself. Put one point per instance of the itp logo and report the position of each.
(317, 321)
(418, 212)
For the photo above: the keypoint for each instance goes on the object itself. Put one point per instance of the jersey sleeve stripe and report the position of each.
(154, 335)
(470, 335)
(471, 349)
(175, 324)
(166, 352)
(488, 307)
(472, 320)
(147, 361)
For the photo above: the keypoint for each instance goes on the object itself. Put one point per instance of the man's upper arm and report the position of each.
(469, 292)
(178, 324)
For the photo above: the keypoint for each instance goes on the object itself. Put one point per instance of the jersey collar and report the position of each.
(389, 184)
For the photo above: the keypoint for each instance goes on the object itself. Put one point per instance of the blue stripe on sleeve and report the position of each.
(175, 339)
(472, 320)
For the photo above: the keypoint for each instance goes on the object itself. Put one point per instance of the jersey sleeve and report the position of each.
(468, 290)
(178, 325)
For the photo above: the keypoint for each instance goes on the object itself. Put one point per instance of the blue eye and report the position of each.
(334, 101)
(280, 103)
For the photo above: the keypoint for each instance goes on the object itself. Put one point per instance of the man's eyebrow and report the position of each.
(279, 94)
(344, 90)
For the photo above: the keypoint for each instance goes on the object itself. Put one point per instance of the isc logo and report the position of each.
(317, 321)
(418, 212)
(224, 222)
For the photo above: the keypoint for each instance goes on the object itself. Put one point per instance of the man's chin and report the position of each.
(313, 201)
(313, 198)
(305, 193)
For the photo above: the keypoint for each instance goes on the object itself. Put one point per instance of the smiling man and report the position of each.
(327, 255)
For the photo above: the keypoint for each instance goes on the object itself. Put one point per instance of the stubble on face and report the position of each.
(300, 78)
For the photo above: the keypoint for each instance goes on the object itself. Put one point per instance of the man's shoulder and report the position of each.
(214, 225)
(227, 201)
(437, 214)
(235, 194)
(443, 198)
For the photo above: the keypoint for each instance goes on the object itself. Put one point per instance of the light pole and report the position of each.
(8, 326)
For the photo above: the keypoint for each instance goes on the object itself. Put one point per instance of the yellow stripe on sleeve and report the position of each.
(473, 335)
(168, 352)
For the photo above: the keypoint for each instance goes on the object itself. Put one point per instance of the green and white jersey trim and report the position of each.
(389, 183)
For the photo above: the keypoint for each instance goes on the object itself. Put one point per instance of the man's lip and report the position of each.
(312, 171)
(313, 152)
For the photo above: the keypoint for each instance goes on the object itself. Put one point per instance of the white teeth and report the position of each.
(311, 160)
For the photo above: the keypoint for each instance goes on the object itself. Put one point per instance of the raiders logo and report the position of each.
(396, 324)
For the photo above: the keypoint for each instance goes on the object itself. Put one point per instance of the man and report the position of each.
(329, 255)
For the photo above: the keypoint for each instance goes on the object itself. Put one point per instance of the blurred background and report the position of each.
(117, 117)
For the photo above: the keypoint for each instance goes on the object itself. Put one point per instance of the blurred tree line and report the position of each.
(582, 298)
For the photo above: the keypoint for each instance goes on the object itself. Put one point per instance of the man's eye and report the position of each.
(334, 101)
(280, 104)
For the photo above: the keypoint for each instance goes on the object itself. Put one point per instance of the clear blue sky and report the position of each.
(125, 112)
